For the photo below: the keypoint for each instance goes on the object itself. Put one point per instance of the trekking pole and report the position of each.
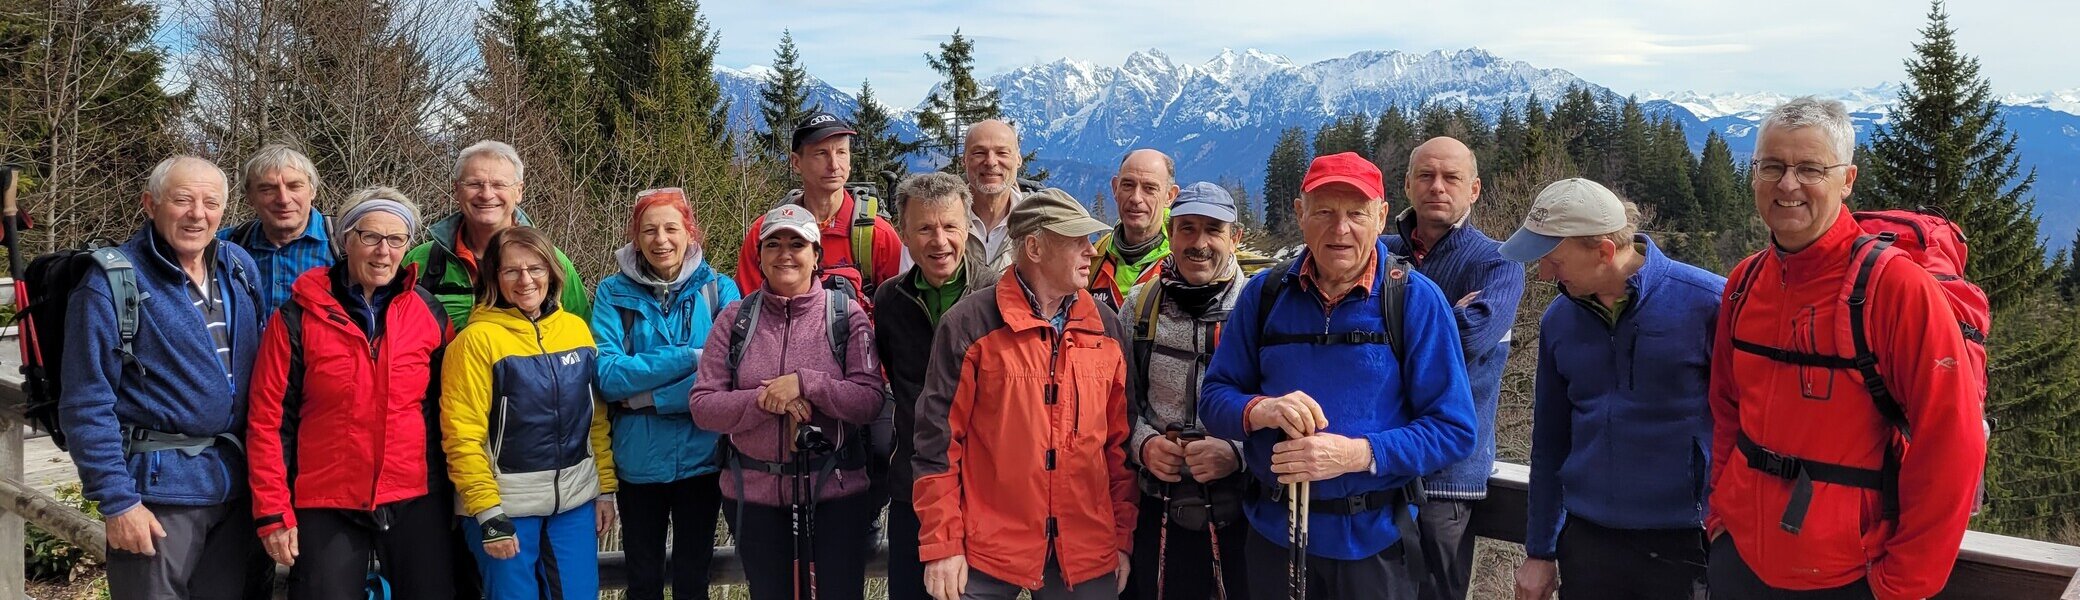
(794, 510)
(11, 227)
(1299, 496)
(1163, 533)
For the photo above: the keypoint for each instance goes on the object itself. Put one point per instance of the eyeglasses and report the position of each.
(369, 238)
(481, 185)
(515, 273)
(1808, 173)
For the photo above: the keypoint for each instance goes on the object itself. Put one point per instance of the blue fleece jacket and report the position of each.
(650, 336)
(1464, 261)
(1621, 433)
(177, 386)
(1416, 412)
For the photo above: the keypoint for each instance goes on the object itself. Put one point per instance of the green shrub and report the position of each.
(48, 558)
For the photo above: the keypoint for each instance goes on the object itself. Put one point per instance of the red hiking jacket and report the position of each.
(363, 409)
(1796, 302)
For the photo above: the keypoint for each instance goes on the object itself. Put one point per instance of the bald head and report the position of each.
(990, 159)
(1145, 185)
(1443, 183)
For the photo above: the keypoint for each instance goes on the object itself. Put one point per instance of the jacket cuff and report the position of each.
(273, 523)
(1246, 409)
(124, 506)
(942, 550)
(490, 513)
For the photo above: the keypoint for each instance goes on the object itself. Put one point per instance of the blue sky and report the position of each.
(1630, 46)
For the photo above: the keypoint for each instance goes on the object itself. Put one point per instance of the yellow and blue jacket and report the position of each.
(523, 433)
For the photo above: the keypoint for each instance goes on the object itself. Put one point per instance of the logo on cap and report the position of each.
(1539, 214)
(820, 119)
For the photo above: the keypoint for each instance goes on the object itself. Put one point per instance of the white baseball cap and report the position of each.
(789, 217)
(1566, 208)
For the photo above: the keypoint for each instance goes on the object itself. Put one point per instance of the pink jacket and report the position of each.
(790, 337)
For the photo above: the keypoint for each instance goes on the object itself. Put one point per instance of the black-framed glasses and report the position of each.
(395, 241)
(1807, 173)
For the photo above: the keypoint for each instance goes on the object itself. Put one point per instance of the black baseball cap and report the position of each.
(819, 126)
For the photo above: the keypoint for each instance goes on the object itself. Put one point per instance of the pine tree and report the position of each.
(641, 53)
(956, 103)
(1728, 212)
(1510, 137)
(1283, 172)
(1393, 137)
(877, 154)
(83, 112)
(1245, 210)
(1348, 133)
(1630, 170)
(784, 99)
(1100, 209)
(2069, 283)
(1947, 148)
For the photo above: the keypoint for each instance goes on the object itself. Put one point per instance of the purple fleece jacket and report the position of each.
(790, 338)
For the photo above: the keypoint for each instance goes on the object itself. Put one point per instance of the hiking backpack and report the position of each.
(865, 207)
(1393, 304)
(50, 280)
(1934, 244)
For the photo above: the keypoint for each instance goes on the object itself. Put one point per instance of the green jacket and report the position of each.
(452, 283)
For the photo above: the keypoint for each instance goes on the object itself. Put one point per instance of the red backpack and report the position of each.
(1936, 245)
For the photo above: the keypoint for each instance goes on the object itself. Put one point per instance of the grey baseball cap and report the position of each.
(1206, 200)
(1566, 208)
(789, 217)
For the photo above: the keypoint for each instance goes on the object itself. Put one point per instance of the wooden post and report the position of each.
(2072, 589)
(13, 579)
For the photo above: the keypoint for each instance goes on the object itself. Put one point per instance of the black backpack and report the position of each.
(50, 280)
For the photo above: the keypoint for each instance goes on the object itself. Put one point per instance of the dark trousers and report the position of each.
(1598, 563)
(688, 509)
(1443, 534)
(1381, 576)
(766, 545)
(905, 571)
(207, 554)
(1732, 579)
(1189, 561)
(335, 546)
(466, 579)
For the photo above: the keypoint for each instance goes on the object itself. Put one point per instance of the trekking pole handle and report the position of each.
(9, 175)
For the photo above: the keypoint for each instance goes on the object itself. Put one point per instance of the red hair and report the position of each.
(672, 197)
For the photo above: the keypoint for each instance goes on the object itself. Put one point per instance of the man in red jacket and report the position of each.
(1814, 491)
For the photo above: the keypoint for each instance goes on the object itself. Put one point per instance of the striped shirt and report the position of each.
(280, 265)
(210, 302)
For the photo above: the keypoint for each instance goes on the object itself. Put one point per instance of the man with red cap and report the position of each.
(1341, 368)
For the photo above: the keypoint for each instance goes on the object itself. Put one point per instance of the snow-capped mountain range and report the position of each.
(1220, 117)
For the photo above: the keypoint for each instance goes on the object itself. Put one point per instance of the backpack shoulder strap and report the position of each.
(740, 329)
(1267, 294)
(712, 293)
(1393, 304)
(864, 207)
(123, 290)
(838, 324)
(1868, 252)
(1147, 309)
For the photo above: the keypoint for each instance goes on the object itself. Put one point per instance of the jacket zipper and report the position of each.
(382, 421)
(556, 413)
(1053, 400)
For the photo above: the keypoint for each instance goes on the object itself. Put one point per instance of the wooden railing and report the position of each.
(1989, 567)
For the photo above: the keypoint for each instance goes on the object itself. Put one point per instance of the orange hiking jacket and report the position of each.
(1021, 440)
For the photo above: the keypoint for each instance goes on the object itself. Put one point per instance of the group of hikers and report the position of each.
(440, 409)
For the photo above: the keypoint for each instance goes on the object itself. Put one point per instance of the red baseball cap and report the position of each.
(1346, 168)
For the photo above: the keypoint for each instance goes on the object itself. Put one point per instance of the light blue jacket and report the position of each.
(649, 333)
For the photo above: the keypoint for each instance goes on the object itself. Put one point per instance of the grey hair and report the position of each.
(363, 195)
(1623, 235)
(1828, 115)
(495, 149)
(930, 188)
(275, 157)
(155, 184)
(1169, 164)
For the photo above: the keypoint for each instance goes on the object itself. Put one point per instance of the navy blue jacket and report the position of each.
(1464, 261)
(178, 385)
(1621, 430)
(1415, 411)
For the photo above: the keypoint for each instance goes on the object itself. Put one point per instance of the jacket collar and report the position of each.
(911, 283)
(444, 231)
(154, 253)
(1405, 224)
(314, 289)
(1828, 254)
(775, 303)
(1018, 312)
